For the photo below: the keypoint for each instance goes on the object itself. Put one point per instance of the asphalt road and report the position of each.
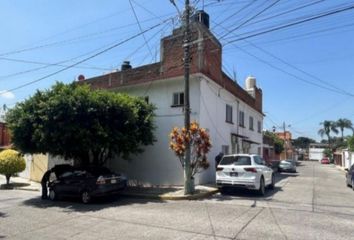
(312, 204)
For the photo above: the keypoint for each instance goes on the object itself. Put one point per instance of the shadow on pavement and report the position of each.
(13, 186)
(74, 205)
(3, 215)
(229, 193)
(279, 176)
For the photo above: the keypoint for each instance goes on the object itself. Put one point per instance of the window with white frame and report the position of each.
(228, 113)
(178, 99)
(241, 121)
(251, 123)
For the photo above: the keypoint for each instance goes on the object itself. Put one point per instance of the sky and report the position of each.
(301, 52)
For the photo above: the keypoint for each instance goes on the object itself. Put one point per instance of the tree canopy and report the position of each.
(11, 162)
(278, 143)
(327, 128)
(75, 122)
(302, 142)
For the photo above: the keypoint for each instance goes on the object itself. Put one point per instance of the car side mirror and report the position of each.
(346, 169)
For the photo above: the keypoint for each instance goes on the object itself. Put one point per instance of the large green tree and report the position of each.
(327, 128)
(76, 122)
(342, 124)
(302, 142)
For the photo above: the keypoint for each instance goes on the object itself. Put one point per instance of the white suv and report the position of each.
(244, 171)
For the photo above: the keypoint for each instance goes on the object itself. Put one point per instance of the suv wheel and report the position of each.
(52, 195)
(271, 186)
(261, 190)
(85, 197)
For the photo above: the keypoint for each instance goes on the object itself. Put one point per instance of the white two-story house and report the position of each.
(232, 114)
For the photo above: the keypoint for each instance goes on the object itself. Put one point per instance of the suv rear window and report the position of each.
(235, 160)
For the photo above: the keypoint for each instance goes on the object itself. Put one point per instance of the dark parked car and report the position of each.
(86, 183)
(287, 166)
(350, 176)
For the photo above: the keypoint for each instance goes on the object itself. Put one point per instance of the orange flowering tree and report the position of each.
(199, 141)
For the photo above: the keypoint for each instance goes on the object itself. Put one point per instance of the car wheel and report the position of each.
(272, 184)
(353, 184)
(85, 197)
(261, 190)
(52, 195)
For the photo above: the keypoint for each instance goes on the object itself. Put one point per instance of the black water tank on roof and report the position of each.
(126, 65)
(201, 17)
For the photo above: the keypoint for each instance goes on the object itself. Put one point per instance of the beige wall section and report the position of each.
(39, 166)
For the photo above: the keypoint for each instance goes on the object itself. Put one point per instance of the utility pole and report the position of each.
(188, 182)
(286, 152)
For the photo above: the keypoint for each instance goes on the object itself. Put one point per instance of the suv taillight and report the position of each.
(100, 180)
(251, 169)
(219, 169)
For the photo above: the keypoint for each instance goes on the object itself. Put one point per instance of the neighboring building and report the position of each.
(268, 149)
(232, 115)
(4, 136)
(288, 152)
(316, 151)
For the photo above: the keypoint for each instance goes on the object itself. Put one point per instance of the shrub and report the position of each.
(11, 162)
(199, 141)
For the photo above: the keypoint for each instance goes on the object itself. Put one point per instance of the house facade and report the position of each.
(4, 136)
(316, 151)
(232, 115)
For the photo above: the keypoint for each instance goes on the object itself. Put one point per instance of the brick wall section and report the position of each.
(206, 58)
(4, 135)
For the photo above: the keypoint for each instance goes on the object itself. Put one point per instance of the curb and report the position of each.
(171, 197)
(27, 188)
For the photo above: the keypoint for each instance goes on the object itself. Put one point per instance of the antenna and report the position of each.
(234, 73)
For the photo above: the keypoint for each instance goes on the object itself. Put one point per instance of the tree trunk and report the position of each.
(8, 178)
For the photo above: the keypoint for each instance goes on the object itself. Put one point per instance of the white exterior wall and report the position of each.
(158, 164)
(316, 153)
(213, 102)
(348, 158)
(26, 173)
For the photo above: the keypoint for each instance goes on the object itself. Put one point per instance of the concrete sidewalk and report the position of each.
(169, 193)
(162, 193)
(19, 183)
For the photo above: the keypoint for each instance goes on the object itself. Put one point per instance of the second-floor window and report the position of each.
(241, 121)
(228, 113)
(251, 123)
(178, 99)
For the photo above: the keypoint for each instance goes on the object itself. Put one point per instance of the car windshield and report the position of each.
(236, 160)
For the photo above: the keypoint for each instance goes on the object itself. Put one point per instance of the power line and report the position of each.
(250, 19)
(292, 24)
(285, 12)
(309, 34)
(234, 14)
(85, 59)
(141, 29)
(87, 36)
(334, 88)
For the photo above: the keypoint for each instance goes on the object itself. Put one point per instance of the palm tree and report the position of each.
(328, 127)
(344, 123)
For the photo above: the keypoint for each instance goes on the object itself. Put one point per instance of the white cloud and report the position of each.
(6, 94)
